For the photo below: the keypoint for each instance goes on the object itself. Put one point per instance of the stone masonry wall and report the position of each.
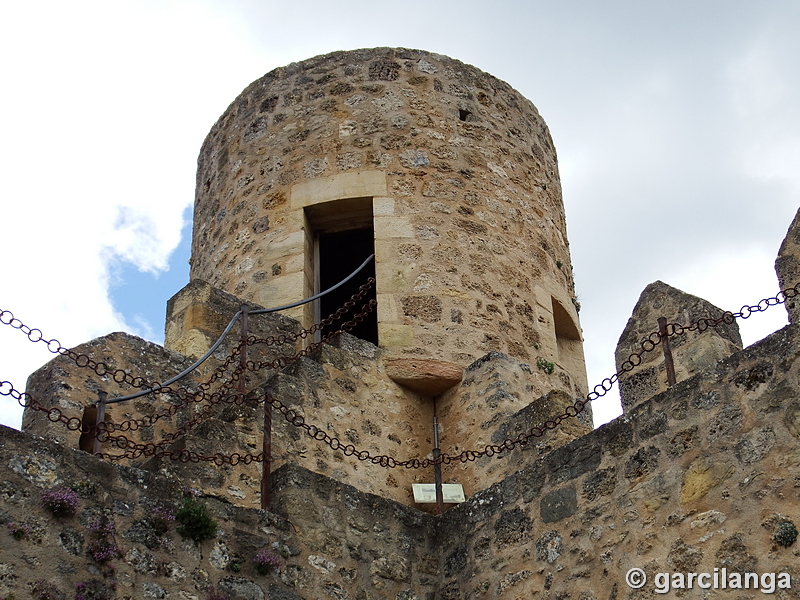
(470, 236)
(62, 384)
(696, 478)
(787, 266)
(331, 540)
(498, 399)
(342, 390)
(345, 390)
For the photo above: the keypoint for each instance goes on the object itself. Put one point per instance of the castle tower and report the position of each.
(445, 173)
(449, 177)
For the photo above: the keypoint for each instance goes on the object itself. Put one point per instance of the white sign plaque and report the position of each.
(453, 493)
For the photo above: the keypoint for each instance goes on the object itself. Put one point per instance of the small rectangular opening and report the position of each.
(88, 428)
(344, 237)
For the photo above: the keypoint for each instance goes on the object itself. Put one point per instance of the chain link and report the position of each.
(133, 450)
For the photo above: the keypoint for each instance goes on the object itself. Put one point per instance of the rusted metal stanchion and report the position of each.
(267, 449)
(437, 466)
(243, 350)
(668, 363)
(100, 422)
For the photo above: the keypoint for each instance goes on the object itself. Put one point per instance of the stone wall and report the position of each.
(342, 390)
(696, 478)
(787, 265)
(346, 389)
(62, 384)
(198, 314)
(455, 171)
(498, 400)
(330, 539)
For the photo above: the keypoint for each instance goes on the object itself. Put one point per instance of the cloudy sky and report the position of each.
(677, 127)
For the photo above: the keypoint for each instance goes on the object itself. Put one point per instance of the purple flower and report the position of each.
(103, 548)
(19, 531)
(62, 502)
(265, 561)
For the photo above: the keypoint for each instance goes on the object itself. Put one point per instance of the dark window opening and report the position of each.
(340, 253)
(463, 114)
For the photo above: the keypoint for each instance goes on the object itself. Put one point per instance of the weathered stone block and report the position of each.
(692, 352)
(558, 505)
(787, 266)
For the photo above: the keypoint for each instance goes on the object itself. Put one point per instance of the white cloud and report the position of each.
(107, 106)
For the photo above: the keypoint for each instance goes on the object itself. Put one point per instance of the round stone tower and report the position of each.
(445, 173)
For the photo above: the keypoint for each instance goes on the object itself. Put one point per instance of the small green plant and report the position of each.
(19, 531)
(559, 264)
(194, 522)
(44, 590)
(266, 560)
(577, 304)
(545, 365)
(785, 534)
(61, 502)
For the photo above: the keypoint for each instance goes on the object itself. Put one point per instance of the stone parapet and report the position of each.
(698, 478)
(701, 477)
(74, 390)
(692, 351)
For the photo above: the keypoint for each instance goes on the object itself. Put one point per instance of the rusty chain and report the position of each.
(101, 369)
(134, 450)
(279, 362)
(647, 344)
(186, 396)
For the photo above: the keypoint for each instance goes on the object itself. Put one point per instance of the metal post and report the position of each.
(100, 422)
(267, 450)
(437, 467)
(668, 362)
(243, 351)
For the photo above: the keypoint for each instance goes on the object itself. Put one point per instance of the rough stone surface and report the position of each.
(692, 351)
(498, 399)
(429, 377)
(62, 384)
(348, 390)
(787, 266)
(461, 184)
(642, 491)
(571, 521)
(609, 501)
(329, 537)
(198, 314)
